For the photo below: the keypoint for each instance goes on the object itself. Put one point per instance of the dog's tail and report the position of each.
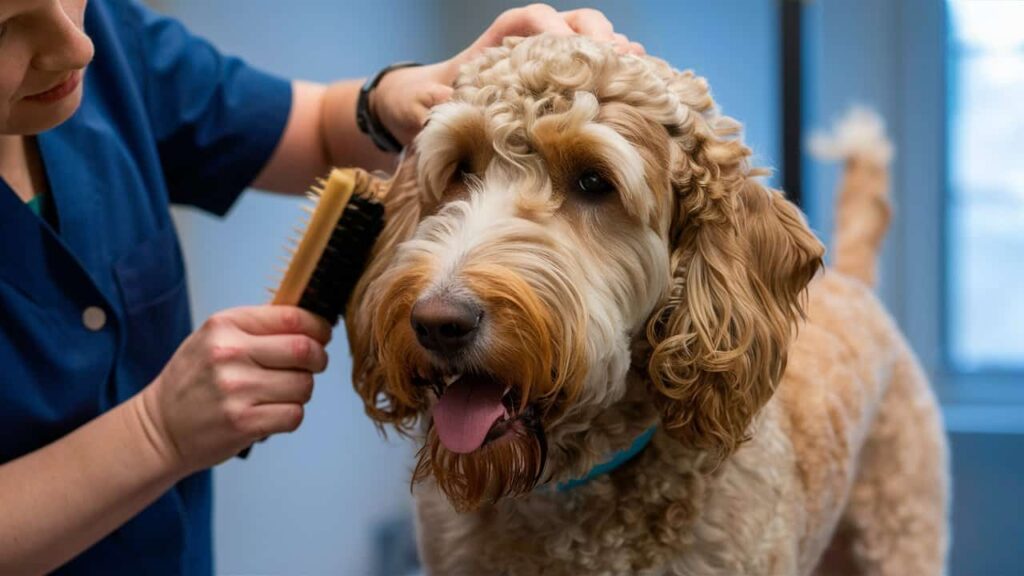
(862, 209)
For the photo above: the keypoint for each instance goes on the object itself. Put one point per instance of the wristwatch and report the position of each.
(368, 122)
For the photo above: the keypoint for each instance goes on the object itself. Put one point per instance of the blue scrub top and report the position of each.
(91, 312)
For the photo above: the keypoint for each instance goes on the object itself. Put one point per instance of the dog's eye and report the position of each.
(592, 184)
(462, 170)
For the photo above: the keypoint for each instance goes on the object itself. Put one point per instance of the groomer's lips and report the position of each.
(56, 93)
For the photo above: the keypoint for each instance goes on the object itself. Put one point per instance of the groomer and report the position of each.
(112, 409)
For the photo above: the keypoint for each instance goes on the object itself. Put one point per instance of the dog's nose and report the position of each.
(445, 325)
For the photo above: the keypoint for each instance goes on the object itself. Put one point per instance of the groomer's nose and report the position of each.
(66, 46)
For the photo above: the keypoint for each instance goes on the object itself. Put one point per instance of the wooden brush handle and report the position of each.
(334, 196)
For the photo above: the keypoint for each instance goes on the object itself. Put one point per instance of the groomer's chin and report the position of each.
(33, 115)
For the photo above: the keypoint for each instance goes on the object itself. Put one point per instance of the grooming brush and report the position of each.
(328, 258)
(331, 251)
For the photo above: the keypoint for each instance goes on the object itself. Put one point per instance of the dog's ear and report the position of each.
(402, 209)
(741, 257)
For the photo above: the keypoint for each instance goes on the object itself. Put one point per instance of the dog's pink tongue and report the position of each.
(466, 412)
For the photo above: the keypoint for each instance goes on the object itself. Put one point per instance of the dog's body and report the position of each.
(606, 264)
(851, 440)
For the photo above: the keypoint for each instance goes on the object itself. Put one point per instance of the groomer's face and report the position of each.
(43, 54)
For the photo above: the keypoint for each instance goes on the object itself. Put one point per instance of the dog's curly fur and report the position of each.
(795, 428)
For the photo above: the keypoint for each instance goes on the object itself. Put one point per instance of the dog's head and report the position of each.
(571, 210)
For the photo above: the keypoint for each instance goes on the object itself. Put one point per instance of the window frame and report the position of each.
(906, 77)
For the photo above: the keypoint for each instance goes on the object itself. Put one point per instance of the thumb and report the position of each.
(437, 94)
(431, 96)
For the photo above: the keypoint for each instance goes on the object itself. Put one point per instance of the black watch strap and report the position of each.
(368, 122)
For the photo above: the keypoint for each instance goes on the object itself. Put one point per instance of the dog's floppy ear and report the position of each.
(402, 213)
(741, 258)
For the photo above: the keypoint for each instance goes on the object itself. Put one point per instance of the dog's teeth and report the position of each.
(448, 380)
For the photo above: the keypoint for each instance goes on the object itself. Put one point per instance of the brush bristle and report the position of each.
(343, 259)
(326, 258)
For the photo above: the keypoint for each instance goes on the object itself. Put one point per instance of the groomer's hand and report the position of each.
(404, 96)
(242, 376)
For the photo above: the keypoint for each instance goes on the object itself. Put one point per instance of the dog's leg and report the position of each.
(896, 518)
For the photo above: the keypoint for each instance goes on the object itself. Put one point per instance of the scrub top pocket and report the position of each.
(151, 279)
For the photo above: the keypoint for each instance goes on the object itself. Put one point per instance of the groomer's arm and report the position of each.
(59, 500)
(244, 375)
(322, 132)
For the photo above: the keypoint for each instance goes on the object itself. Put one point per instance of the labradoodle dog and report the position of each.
(619, 350)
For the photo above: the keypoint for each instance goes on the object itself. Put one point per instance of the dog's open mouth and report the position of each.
(473, 410)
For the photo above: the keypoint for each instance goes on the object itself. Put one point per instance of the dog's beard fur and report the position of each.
(526, 324)
(531, 348)
(509, 466)
(529, 340)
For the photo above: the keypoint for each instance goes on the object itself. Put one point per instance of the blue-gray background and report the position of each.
(333, 498)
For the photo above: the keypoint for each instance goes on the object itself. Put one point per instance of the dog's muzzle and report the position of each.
(446, 325)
